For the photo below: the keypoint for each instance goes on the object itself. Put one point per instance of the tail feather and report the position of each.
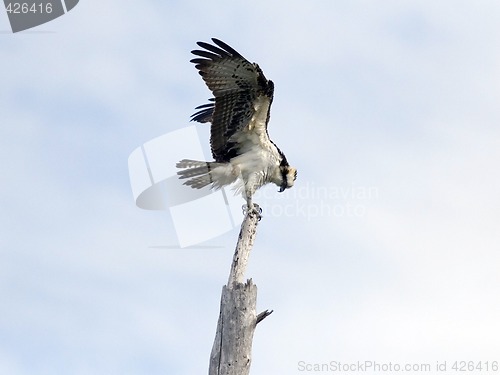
(198, 172)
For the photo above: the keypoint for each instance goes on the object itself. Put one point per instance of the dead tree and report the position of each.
(231, 352)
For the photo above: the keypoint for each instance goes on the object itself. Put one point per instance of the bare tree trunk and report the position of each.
(231, 352)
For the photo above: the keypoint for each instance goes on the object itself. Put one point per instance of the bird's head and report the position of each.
(288, 177)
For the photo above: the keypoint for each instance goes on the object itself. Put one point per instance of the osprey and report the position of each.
(239, 114)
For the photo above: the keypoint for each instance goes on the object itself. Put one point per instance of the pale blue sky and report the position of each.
(398, 97)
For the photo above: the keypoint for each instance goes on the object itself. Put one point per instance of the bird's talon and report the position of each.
(255, 209)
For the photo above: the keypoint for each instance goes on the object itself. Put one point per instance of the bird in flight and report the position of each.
(239, 116)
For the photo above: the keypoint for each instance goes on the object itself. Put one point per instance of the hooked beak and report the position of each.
(282, 189)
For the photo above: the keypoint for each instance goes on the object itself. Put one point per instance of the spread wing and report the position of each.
(236, 85)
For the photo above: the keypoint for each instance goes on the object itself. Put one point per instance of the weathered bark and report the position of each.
(231, 352)
(243, 248)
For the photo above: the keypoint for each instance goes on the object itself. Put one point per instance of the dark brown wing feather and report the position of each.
(235, 84)
(205, 112)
